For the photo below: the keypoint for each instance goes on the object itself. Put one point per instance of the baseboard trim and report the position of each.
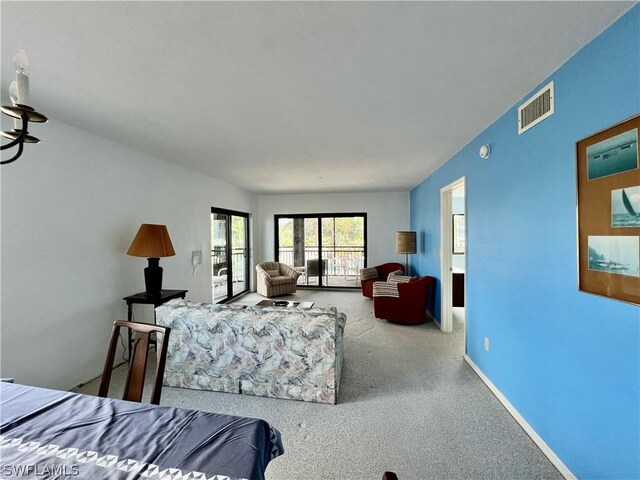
(537, 439)
(432, 318)
(82, 384)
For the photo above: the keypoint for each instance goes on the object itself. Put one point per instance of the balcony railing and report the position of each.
(220, 267)
(340, 260)
(219, 260)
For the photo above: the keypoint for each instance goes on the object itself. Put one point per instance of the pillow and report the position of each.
(385, 289)
(396, 278)
(396, 272)
(368, 273)
(273, 273)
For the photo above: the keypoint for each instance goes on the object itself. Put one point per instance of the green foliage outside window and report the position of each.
(346, 231)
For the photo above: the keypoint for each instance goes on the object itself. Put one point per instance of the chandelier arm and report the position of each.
(15, 157)
(18, 141)
(23, 133)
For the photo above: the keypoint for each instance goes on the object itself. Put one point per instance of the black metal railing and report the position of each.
(219, 261)
(341, 260)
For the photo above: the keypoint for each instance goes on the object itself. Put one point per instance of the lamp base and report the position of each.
(153, 278)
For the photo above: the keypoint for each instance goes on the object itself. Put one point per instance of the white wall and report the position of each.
(386, 212)
(70, 208)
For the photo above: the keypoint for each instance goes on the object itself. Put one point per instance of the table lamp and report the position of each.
(406, 243)
(152, 242)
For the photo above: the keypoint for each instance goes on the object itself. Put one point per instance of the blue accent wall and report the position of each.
(568, 361)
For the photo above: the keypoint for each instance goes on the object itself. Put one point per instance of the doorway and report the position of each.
(229, 254)
(453, 256)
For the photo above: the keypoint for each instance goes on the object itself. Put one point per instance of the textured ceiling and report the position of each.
(289, 96)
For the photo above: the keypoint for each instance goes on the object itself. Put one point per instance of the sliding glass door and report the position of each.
(343, 244)
(229, 254)
(327, 249)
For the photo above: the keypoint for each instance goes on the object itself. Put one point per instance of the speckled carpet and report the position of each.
(408, 403)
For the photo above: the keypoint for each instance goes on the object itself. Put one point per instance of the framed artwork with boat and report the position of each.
(608, 191)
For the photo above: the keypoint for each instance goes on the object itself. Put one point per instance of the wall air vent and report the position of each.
(536, 109)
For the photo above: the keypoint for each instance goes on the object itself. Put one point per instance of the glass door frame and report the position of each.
(319, 217)
(229, 253)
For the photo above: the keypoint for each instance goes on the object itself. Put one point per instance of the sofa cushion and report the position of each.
(273, 273)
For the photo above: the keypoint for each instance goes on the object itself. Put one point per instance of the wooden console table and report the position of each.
(155, 300)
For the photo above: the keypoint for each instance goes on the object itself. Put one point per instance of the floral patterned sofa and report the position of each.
(279, 352)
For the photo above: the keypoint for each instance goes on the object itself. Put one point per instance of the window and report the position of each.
(327, 249)
(459, 235)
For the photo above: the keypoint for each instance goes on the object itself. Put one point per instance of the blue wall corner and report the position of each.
(568, 361)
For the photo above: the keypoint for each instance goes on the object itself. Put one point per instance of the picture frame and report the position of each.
(459, 234)
(608, 212)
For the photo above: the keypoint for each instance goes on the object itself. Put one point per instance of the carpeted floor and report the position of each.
(408, 403)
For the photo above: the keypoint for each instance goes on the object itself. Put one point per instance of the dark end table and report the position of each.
(155, 300)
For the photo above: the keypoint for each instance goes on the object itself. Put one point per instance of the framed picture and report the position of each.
(608, 171)
(458, 233)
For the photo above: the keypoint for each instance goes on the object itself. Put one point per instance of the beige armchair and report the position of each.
(275, 279)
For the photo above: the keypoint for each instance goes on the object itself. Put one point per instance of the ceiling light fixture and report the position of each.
(20, 111)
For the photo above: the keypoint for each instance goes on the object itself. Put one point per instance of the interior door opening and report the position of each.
(453, 257)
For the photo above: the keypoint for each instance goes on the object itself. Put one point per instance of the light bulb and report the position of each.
(13, 92)
(21, 62)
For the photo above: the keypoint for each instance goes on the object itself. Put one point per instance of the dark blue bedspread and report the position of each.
(52, 434)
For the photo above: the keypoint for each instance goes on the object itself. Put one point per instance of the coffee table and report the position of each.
(270, 303)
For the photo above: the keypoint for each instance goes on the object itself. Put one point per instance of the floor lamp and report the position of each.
(406, 243)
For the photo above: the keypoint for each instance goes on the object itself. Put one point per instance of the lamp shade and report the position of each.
(405, 242)
(151, 241)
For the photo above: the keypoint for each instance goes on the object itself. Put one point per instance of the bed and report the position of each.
(52, 434)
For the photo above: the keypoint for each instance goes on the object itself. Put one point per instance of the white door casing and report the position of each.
(446, 242)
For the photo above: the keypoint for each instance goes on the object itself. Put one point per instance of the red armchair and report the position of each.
(382, 272)
(404, 303)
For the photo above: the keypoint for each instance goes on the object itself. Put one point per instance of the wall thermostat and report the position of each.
(196, 259)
